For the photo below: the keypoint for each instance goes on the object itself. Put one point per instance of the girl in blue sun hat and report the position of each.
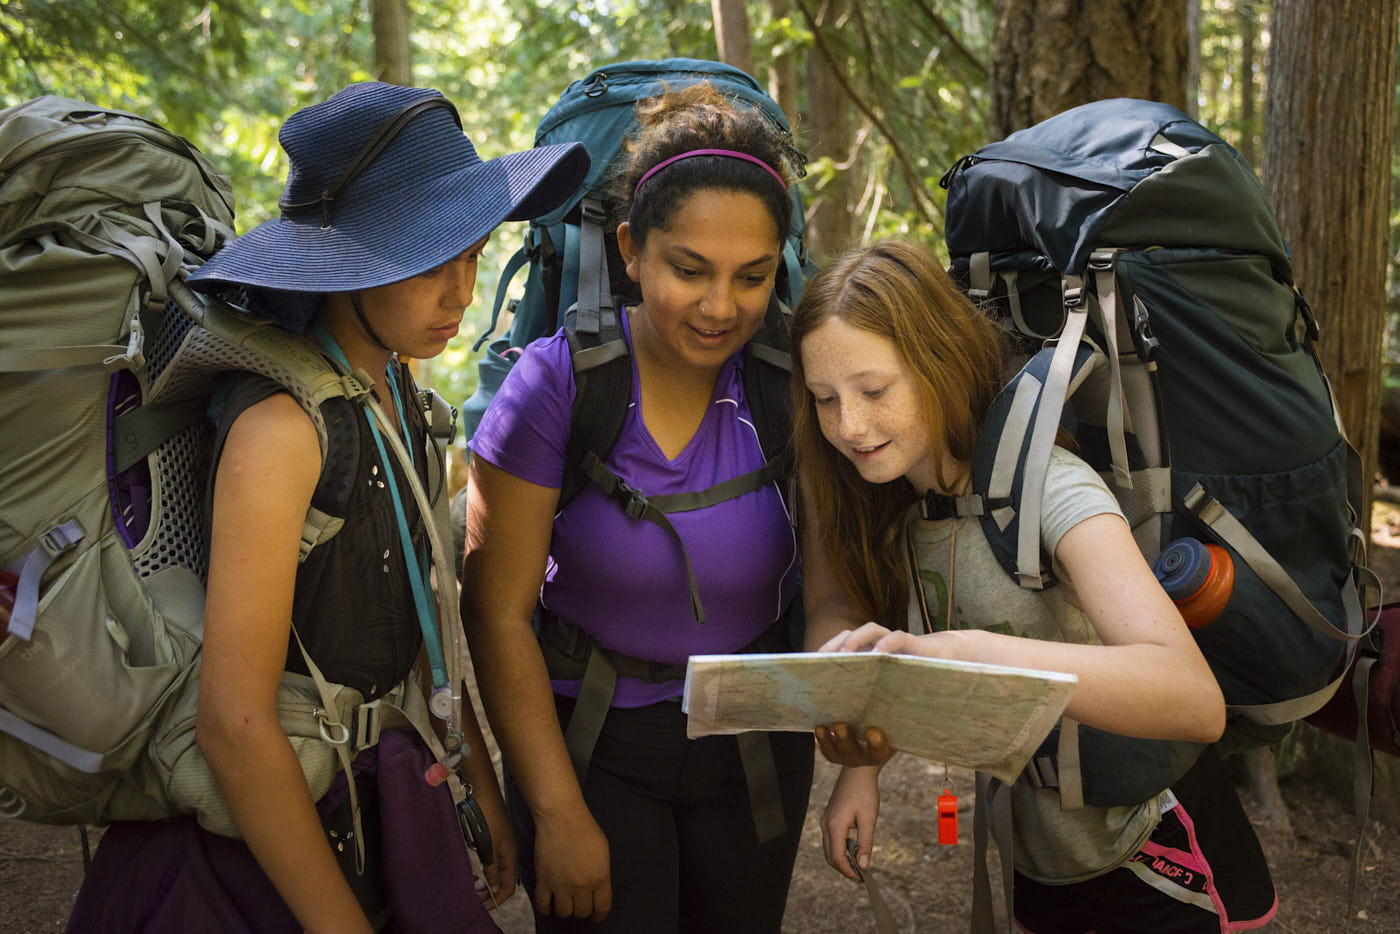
(386, 210)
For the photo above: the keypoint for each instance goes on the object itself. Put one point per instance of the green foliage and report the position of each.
(917, 71)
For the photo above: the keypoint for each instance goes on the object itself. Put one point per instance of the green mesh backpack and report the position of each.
(106, 363)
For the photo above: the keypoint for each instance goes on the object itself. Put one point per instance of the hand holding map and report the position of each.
(985, 717)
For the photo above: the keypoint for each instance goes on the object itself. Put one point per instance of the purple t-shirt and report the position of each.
(624, 581)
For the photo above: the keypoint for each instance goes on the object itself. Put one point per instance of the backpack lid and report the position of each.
(598, 111)
(1059, 188)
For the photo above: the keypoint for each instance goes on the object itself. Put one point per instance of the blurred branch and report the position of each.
(946, 31)
(911, 175)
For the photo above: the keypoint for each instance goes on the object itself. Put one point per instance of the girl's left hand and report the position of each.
(854, 805)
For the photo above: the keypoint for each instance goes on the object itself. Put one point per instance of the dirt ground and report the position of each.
(926, 885)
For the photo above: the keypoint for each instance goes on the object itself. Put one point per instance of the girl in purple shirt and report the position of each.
(661, 828)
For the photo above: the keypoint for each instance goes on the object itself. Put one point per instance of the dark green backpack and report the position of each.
(1140, 249)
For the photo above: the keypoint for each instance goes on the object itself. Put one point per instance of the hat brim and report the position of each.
(425, 227)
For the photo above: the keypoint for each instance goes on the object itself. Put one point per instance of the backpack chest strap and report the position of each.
(637, 505)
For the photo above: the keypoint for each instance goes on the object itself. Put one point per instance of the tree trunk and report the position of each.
(1055, 54)
(393, 52)
(1193, 58)
(1330, 118)
(782, 67)
(732, 33)
(1248, 37)
(829, 135)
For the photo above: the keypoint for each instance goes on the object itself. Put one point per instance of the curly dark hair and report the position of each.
(699, 117)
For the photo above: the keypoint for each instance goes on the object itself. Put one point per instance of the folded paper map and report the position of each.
(985, 717)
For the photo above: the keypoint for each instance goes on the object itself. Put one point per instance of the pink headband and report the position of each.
(709, 152)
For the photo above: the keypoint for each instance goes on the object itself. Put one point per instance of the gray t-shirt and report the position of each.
(1052, 845)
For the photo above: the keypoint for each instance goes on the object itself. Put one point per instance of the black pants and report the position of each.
(685, 856)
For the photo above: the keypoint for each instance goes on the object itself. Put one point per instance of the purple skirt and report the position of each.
(174, 876)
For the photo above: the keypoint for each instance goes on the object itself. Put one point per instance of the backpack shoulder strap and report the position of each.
(767, 377)
(1003, 467)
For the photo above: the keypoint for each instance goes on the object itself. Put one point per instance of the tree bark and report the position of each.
(1193, 58)
(829, 135)
(782, 67)
(1248, 37)
(732, 33)
(1329, 122)
(1055, 54)
(393, 51)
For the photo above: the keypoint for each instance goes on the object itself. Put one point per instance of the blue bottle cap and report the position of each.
(1182, 568)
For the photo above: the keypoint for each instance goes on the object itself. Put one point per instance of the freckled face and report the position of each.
(705, 278)
(418, 316)
(868, 404)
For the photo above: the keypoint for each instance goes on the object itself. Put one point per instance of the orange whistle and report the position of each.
(947, 818)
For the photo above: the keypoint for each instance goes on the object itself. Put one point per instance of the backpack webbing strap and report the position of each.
(140, 431)
(884, 918)
(793, 264)
(318, 528)
(637, 505)
(83, 760)
(31, 567)
(994, 798)
(513, 265)
(1232, 532)
(761, 777)
(1042, 437)
(594, 288)
(571, 654)
(337, 735)
(1102, 263)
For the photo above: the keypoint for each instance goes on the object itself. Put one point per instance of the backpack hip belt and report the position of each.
(570, 654)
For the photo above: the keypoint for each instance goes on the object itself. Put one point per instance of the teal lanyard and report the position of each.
(416, 574)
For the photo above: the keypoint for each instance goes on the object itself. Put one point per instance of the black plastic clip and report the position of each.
(1147, 344)
(633, 502)
(592, 212)
(1309, 321)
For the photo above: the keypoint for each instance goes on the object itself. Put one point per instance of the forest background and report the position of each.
(885, 96)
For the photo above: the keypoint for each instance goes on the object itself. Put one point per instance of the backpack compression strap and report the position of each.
(571, 654)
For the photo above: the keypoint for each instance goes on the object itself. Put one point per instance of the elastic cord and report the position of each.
(364, 322)
(728, 153)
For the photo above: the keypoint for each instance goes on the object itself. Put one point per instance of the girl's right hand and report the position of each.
(855, 802)
(572, 866)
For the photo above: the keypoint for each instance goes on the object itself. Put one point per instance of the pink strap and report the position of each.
(709, 152)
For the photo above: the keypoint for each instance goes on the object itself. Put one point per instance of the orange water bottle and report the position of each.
(1198, 577)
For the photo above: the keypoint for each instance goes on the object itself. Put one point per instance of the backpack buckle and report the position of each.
(1305, 312)
(592, 212)
(633, 502)
(1147, 344)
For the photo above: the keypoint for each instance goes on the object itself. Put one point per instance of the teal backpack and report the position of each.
(107, 360)
(1136, 255)
(571, 254)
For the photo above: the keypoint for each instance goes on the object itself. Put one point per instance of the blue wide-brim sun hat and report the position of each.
(383, 186)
